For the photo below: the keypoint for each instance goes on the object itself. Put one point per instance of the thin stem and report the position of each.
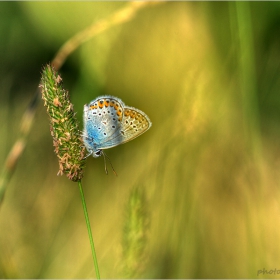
(89, 231)
(122, 15)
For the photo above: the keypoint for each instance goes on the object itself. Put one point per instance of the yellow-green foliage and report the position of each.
(207, 75)
(134, 240)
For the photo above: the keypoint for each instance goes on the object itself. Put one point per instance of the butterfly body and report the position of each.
(108, 122)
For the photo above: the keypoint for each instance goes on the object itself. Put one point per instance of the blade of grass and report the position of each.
(89, 230)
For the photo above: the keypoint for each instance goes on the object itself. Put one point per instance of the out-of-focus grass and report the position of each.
(214, 204)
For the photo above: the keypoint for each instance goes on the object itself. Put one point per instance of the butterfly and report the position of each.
(108, 122)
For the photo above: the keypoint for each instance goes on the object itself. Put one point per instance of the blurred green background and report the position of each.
(207, 75)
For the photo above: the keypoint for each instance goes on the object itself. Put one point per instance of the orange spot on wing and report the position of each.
(93, 107)
(100, 104)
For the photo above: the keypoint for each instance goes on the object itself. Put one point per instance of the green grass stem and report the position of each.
(89, 231)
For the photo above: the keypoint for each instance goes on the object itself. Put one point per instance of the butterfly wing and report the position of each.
(101, 119)
(108, 123)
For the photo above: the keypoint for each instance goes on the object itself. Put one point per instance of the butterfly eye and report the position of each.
(98, 153)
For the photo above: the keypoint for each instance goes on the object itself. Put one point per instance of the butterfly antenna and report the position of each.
(105, 164)
(110, 164)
